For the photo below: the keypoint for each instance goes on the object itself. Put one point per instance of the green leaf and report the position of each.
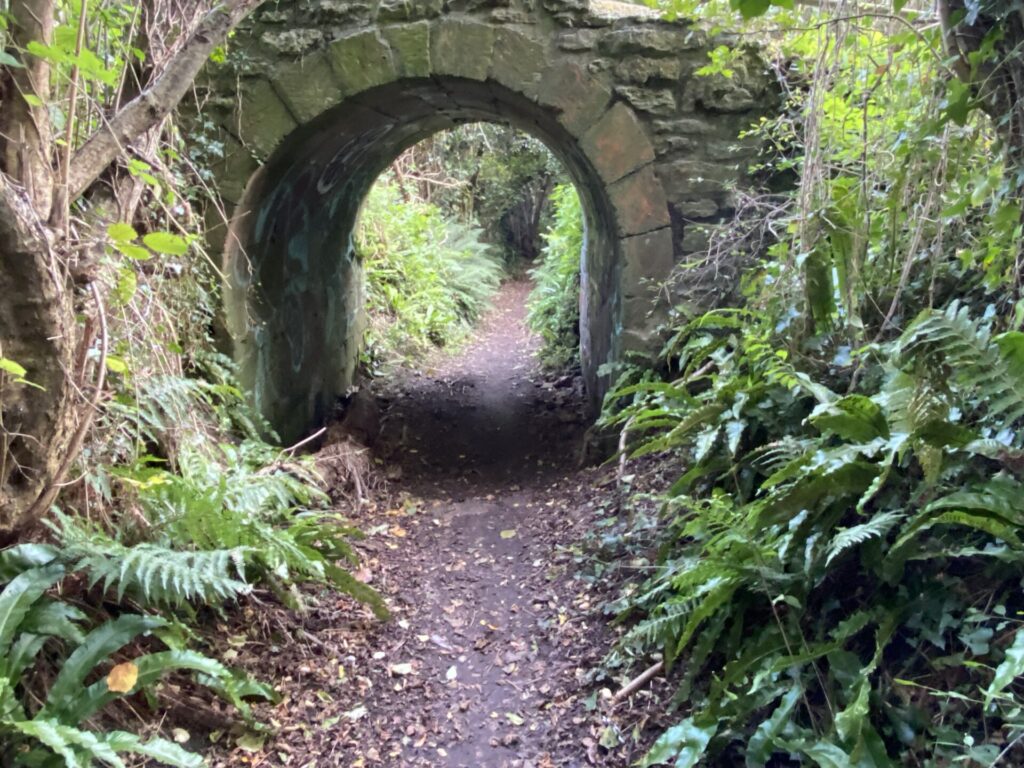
(136, 252)
(127, 284)
(1009, 670)
(750, 9)
(161, 750)
(850, 721)
(121, 232)
(32, 100)
(166, 243)
(685, 743)
(11, 367)
(117, 365)
(97, 646)
(19, 596)
(6, 60)
(762, 744)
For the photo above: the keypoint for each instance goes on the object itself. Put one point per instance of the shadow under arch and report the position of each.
(293, 300)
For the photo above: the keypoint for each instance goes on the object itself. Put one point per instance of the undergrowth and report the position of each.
(428, 277)
(839, 560)
(553, 308)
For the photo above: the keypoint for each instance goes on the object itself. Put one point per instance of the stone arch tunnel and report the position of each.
(318, 97)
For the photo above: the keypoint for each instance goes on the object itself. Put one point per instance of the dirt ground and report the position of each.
(474, 522)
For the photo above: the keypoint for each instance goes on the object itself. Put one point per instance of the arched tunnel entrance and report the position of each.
(294, 300)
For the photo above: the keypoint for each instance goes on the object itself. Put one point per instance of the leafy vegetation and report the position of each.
(428, 278)
(554, 303)
(840, 555)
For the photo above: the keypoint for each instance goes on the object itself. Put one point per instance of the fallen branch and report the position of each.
(638, 682)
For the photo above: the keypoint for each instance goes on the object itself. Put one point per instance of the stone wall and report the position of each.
(319, 96)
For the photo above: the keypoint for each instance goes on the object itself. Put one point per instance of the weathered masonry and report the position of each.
(318, 97)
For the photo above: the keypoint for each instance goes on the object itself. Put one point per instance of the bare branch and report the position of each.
(153, 104)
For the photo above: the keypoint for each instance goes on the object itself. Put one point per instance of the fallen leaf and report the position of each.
(123, 677)
(513, 718)
(508, 534)
(402, 669)
(452, 673)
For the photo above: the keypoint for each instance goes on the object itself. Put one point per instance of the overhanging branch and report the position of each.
(154, 103)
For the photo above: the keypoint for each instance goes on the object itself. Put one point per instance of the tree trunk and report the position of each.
(42, 423)
(37, 331)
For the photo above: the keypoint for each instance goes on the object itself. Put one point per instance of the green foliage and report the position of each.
(554, 304)
(30, 623)
(428, 278)
(817, 538)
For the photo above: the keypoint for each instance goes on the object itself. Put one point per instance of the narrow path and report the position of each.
(485, 662)
(484, 453)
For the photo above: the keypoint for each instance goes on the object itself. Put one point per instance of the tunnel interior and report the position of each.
(294, 299)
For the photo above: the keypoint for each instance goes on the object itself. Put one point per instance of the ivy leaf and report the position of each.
(166, 243)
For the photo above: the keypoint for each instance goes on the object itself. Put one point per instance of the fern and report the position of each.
(952, 341)
(877, 527)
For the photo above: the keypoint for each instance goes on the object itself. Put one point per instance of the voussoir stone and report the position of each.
(410, 48)
(258, 97)
(617, 144)
(640, 202)
(461, 48)
(362, 60)
(307, 85)
(518, 61)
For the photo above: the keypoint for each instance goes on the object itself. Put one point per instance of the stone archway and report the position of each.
(333, 100)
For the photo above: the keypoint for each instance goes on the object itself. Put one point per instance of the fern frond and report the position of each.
(877, 527)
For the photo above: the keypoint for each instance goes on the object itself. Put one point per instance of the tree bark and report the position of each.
(41, 426)
(37, 331)
(26, 135)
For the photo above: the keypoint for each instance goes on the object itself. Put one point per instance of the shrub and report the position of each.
(554, 304)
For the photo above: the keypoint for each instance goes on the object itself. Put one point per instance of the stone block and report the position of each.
(652, 41)
(307, 85)
(636, 69)
(361, 60)
(261, 119)
(409, 10)
(518, 61)
(698, 209)
(654, 101)
(617, 144)
(580, 98)
(461, 48)
(233, 171)
(577, 40)
(689, 179)
(293, 42)
(639, 202)
(695, 238)
(646, 261)
(410, 48)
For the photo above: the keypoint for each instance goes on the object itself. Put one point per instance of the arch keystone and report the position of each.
(617, 144)
(410, 48)
(461, 48)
